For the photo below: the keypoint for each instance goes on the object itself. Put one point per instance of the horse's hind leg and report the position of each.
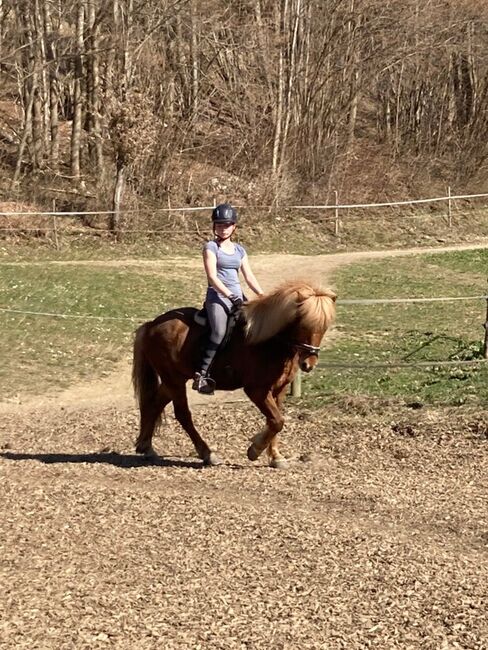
(183, 415)
(151, 408)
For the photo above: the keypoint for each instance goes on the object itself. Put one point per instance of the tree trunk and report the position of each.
(78, 96)
(115, 221)
(93, 91)
(26, 134)
(194, 58)
(51, 58)
(280, 91)
(291, 67)
(127, 54)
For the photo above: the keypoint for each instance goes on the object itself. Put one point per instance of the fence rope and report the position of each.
(341, 366)
(366, 301)
(384, 301)
(54, 315)
(89, 230)
(351, 206)
(344, 206)
(77, 213)
(402, 364)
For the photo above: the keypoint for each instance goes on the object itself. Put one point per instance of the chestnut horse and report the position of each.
(276, 334)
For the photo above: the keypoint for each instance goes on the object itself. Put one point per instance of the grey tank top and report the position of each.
(228, 265)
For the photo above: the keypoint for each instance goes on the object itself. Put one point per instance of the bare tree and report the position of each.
(286, 93)
(78, 102)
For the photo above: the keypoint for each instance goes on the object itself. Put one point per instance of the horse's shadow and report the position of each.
(126, 461)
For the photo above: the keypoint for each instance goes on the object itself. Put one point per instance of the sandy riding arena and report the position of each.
(376, 537)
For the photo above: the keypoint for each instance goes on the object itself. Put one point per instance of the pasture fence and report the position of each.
(296, 386)
(326, 212)
(336, 209)
(485, 342)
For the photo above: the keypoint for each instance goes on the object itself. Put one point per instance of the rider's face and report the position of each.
(224, 230)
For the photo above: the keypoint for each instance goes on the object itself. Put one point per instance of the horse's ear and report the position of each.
(330, 294)
(302, 295)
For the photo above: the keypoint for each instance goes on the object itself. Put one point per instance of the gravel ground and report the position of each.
(376, 537)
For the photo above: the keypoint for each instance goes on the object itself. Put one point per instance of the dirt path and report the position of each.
(115, 388)
(377, 536)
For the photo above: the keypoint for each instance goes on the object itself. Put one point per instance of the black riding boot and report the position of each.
(201, 380)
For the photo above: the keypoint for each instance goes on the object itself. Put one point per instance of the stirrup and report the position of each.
(203, 384)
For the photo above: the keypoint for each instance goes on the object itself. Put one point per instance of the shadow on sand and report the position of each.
(107, 458)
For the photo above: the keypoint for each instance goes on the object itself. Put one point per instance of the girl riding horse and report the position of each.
(222, 260)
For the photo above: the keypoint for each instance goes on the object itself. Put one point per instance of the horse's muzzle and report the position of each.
(305, 366)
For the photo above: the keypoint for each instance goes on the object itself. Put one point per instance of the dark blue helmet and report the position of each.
(224, 213)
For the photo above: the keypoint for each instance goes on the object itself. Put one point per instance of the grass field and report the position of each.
(41, 352)
(46, 352)
(392, 333)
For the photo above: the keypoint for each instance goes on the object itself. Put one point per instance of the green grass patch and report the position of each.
(89, 248)
(42, 352)
(408, 333)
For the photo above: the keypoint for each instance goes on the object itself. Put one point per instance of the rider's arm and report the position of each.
(210, 264)
(249, 276)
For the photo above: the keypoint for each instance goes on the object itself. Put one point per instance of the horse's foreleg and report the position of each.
(266, 438)
(276, 459)
(150, 408)
(183, 415)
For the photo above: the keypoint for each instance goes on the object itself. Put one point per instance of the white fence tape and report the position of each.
(341, 366)
(79, 213)
(348, 206)
(401, 364)
(344, 206)
(385, 301)
(372, 301)
(362, 366)
(54, 315)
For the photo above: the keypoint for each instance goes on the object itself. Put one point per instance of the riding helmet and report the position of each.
(224, 213)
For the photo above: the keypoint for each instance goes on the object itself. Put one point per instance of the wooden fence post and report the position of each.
(55, 226)
(336, 228)
(296, 385)
(449, 207)
(485, 342)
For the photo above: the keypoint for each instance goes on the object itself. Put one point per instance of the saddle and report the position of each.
(201, 319)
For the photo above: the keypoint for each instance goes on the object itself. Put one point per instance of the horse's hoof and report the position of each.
(147, 453)
(252, 453)
(279, 463)
(212, 460)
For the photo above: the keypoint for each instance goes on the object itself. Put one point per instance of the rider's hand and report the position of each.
(236, 302)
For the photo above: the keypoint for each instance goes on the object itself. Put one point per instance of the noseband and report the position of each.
(305, 347)
(302, 347)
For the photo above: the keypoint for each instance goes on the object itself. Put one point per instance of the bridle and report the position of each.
(302, 347)
(305, 347)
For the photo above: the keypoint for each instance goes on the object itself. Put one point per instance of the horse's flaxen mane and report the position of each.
(270, 314)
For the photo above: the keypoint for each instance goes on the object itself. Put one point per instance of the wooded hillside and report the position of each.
(257, 100)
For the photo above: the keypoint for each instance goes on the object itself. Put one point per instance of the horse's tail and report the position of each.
(144, 377)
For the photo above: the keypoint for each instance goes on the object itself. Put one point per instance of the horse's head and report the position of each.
(315, 313)
(308, 353)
